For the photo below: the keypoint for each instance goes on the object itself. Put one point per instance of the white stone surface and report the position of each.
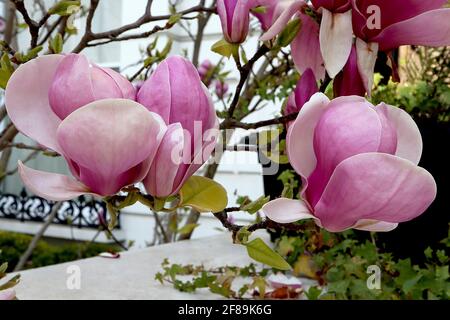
(132, 275)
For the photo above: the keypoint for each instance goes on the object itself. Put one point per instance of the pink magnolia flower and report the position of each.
(358, 165)
(204, 71)
(333, 39)
(176, 92)
(107, 143)
(306, 45)
(306, 87)
(221, 89)
(386, 25)
(348, 82)
(235, 17)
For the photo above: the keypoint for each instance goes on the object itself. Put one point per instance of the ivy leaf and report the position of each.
(203, 194)
(261, 252)
(225, 48)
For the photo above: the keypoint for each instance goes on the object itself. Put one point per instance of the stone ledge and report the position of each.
(132, 275)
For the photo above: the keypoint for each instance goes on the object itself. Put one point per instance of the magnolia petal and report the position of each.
(240, 24)
(280, 280)
(77, 83)
(265, 18)
(175, 92)
(306, 48)
(96, 138)
(280, 23)
(161, 176)
(26, 100)
(300, 137)
(283, 210)
(409, 139)
(367, 57)
(306, 88)
(427, 29)
(51, 186)
(348, 82)
(336, 39)
(223, 14)
(127, 88)
(374, 225)
(348, 127)
(208, 144)
(374, 186)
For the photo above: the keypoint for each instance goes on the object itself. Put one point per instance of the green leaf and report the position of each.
(174, 18)
(289, 33)
(313, 293)
(56, 43)
(163, 54)
(225, 48)
(261, 252)
(64, 7)
(6, 70)
(3, 268)
(113, 212)
(203, 194)
(149, 61)
(11, 283)
(256, 205)
(32, 53)
(188, 228)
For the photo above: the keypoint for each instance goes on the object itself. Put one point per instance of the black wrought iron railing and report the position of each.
(83, 212)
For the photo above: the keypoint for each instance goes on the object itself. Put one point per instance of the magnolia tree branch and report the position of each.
(147, 17)
(33, 26)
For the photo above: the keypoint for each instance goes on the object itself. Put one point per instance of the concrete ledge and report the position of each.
(132, 275)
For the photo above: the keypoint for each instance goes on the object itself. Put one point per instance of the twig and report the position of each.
(147, 17)
(232, 123)
(33, 26)
(244, 73)
(161, 227)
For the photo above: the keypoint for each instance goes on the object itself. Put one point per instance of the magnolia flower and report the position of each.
(221, 89)
(386, 25)
(335, 34)
(358, 165)
(348, 82)
(176, 92)
(204, 70)
(305, 47)
(306, 87)
(107, 143)
(234, 16)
